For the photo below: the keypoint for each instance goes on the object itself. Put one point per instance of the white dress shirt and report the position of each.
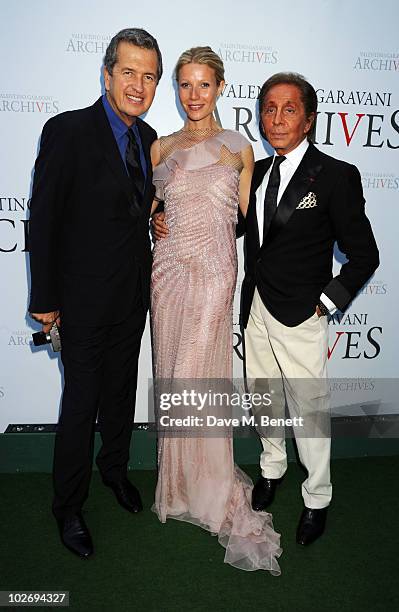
(287, 170)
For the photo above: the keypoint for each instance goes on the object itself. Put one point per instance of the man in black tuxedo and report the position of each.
(302, 202)
(90, 258)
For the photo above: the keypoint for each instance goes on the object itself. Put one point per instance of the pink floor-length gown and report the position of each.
(192, 288)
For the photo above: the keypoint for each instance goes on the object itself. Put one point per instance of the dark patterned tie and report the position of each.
(133, 162)
(273, 185)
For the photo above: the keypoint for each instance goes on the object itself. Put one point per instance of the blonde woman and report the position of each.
(203, 174)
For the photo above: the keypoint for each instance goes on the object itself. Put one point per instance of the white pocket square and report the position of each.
(308, 201)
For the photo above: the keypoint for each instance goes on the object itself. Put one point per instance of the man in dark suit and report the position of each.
(90, 262)
(302, 202)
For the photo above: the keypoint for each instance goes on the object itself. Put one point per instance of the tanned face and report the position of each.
(131, 86)
(284, 118)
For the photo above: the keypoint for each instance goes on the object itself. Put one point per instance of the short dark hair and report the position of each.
(134, 36)
(307, 91)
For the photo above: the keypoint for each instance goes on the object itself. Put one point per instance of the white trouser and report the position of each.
(298, 357)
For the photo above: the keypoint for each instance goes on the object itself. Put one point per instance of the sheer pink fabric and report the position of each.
(193, 282)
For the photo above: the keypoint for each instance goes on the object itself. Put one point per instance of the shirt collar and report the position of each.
(119, 128)
(295, 156)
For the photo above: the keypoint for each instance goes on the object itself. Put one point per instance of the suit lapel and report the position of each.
(146, 144)
(113, 156)
(261, 167)
(297, 188)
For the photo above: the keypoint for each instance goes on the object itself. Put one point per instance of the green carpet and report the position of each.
(142, 565)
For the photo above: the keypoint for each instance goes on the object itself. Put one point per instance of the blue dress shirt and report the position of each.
(120, 129)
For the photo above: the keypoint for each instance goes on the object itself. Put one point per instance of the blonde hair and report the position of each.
(201, 55)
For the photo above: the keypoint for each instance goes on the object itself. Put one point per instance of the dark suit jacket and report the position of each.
(88, 238)
(294, 265)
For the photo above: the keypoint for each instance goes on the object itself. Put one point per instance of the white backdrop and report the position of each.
(52, 54)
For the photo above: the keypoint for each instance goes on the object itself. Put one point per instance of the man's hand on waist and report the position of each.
(158, 226)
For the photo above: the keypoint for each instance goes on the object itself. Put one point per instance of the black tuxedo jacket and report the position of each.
(88, 231)
(294, 264)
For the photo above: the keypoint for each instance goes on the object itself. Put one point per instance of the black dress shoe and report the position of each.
(76, 536)
(311, 525)
(263, 493)
(126, 494)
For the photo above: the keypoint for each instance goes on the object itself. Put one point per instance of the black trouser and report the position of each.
(100, 370)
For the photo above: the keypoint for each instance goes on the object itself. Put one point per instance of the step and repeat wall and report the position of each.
(52, 55)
